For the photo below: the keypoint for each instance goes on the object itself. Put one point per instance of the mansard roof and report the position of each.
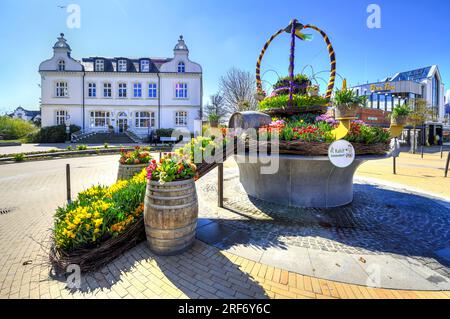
(133, 64)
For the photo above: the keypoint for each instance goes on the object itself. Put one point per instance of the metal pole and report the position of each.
(69, 200)
(394, 165)
(422, 151)
(446, 165)
(442, 151)
(220, 185)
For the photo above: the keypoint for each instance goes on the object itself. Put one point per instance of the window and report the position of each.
(145, 119)
(152, 92)
(107, 91)
(181, 118)
(137, 90)
(61, 65)
(181, 67)
(99, 65)
(122, 90)
(145, 66)
(122, 66)
(99, 119)
(61, 89)
(61, 117)
(435, 87)
(181, 90)
(92, 90)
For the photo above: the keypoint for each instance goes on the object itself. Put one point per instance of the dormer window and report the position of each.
(145, 66)
(100, 65)
(122, 66)
(181, 67)
(61, 65)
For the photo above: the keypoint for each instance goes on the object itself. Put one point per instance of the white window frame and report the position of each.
(152, 88)
(60, 117)
(96, 117)
(99, 65)
(137, 88)
(61, 65)
(107, 88)
(181, 68)
(145, 66)
(92, 89)
(140, 116)
(181, 118)
(122, 65)
(122, 90)
(61, 89)
(181, 90)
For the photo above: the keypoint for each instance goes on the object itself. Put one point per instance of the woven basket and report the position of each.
(289, 110)
(92, 259)
(343, 111)
(400, 120)
(318, 149)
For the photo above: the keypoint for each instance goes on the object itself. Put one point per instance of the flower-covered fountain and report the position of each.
(295, 128)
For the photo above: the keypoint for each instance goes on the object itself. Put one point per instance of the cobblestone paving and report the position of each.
(378, 222)
(32, 191)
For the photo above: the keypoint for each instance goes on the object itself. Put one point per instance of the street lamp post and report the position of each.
(67, 122)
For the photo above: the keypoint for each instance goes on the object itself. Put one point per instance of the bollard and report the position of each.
(442, 151)
(446, 165)
(69, 200)
(421, 150)
(394, 164)
(220, 185)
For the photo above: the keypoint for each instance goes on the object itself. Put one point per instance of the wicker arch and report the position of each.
(331, 53)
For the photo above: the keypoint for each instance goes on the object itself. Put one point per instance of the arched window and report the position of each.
(181, 67)
(61, 65)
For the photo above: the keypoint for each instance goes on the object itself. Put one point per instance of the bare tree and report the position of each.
(217, 108)
(419, 114)
(238, 89)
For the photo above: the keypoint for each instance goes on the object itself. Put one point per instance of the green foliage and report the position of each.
(12, 129)
(53, 134)
(105, 145)
(299, 79)
(69, 148)
(171, 167)
(401, 110)
(301, 101)
(81, 147)
(213, 117)
(19, 157)
(348, 98)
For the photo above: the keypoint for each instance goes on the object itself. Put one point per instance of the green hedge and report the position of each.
(13, 129)
(53, 134)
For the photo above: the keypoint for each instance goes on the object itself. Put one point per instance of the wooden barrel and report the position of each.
(170, 216)
(128, 171)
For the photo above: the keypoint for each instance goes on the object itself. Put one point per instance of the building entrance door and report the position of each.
(122, 125)
(122, 122)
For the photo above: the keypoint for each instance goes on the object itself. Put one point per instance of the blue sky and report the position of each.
(223, 34)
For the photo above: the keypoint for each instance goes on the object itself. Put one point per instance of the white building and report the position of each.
(120, 93)
(26, 115)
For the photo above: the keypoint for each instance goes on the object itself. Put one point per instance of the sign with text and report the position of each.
(341, 153)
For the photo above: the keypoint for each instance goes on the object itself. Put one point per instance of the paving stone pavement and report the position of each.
(31, 192)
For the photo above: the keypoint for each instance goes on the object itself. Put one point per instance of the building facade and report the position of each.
(424, 83)
(121, 94)
(26, 115)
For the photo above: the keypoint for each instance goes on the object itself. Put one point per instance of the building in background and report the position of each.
(424, 83)
(27, 115)
(121, 94)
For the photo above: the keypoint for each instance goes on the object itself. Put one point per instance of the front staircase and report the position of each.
(101, 138)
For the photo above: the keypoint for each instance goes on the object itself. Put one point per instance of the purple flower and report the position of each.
(327, 119)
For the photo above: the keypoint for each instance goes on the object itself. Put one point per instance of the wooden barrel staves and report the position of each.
(170, 216)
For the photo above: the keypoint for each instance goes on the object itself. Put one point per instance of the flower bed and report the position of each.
(132, 162)
(313, 138)
(99, 225)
